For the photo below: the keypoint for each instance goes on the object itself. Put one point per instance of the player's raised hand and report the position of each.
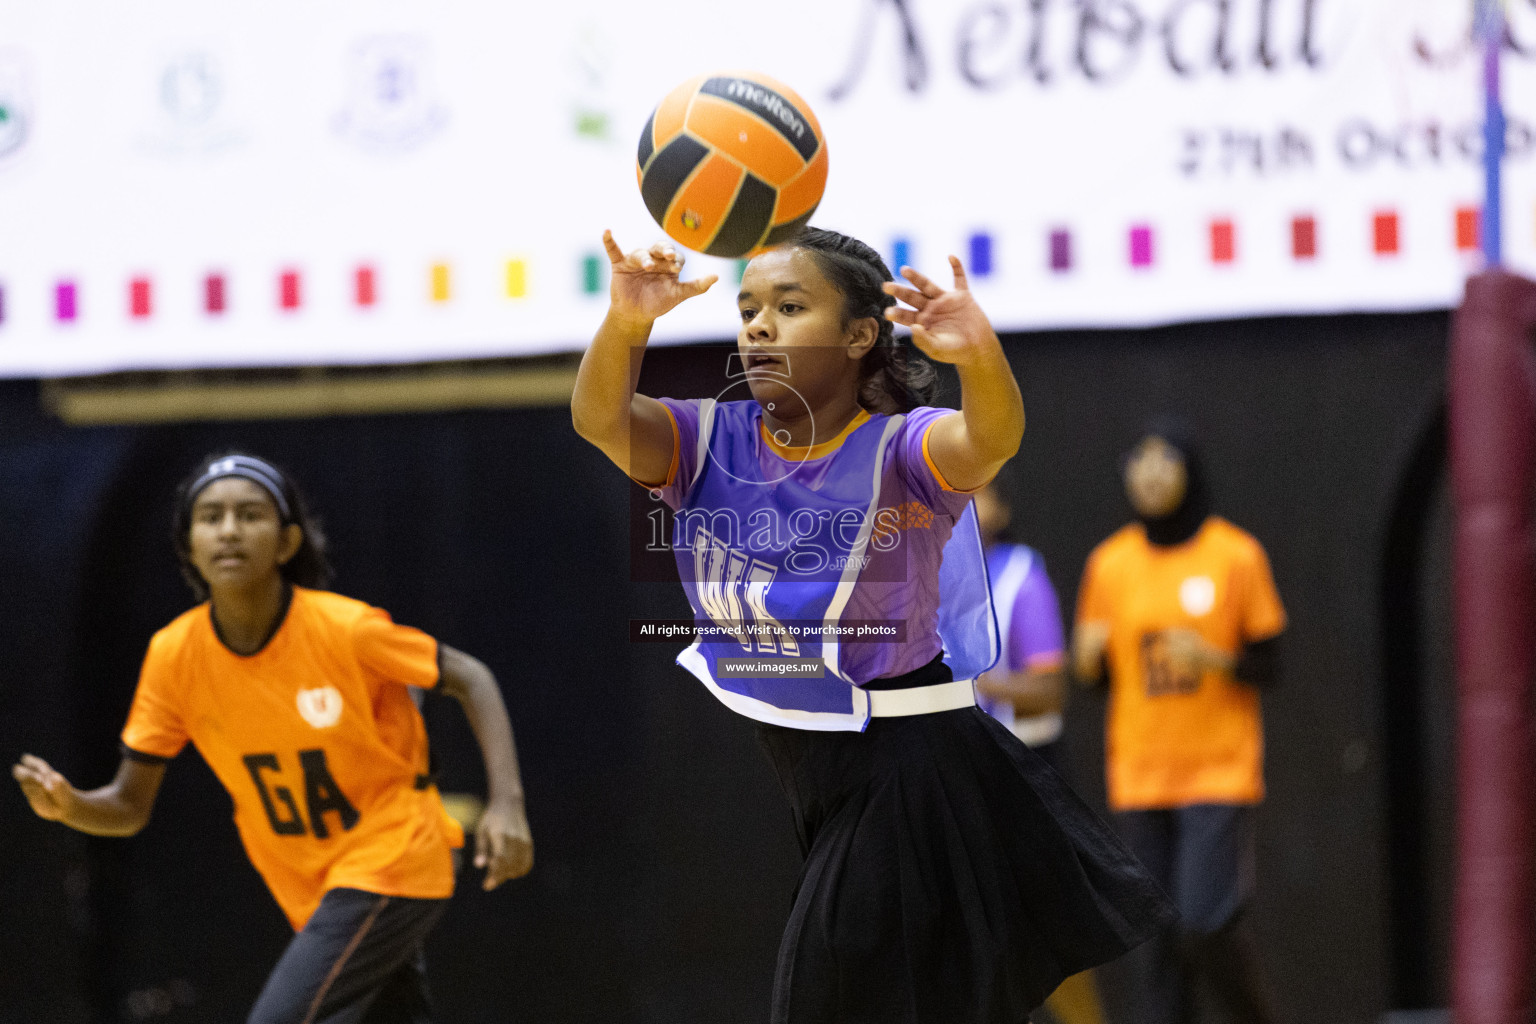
(946, 325)
(49, 793)
(645, 282)
(503, 844)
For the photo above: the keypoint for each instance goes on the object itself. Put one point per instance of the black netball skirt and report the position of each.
(950, 876)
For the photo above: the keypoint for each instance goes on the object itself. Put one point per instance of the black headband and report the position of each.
(248, 467)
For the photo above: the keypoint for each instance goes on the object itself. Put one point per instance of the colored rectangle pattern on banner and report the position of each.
(64, 304)
(139, 297)
(1083, 166)
(288, 296)
(214, 294)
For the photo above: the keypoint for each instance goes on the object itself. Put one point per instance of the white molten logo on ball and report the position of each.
(320, 707)
(1197, 595)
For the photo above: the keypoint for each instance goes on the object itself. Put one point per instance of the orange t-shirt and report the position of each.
(318, 742)
(1173, 739)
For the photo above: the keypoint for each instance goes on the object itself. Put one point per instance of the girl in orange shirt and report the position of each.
(1181, 610)
(298, 700)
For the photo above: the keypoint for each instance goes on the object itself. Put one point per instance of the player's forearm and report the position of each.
(472, 684)
(105, 812)
(993, 410)
(1088, 660)
(493, 729)
(1033, 691)
(606, 380)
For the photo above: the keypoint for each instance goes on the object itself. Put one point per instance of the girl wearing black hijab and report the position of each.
(1179, 610)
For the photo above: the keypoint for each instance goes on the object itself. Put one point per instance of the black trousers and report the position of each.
(358, 960)
(1204, 855)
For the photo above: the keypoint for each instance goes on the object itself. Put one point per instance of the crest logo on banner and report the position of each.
(1120, 164)
(189, 99)
(390, 104)
(15, 105)
(592, 104)
(320, 707)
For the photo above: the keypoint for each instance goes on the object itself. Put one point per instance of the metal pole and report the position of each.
(1491, 29)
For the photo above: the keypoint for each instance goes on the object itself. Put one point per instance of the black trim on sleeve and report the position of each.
(129, 754)
(1259, 664)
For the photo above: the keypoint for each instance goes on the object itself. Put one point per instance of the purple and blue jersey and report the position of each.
(794, 549)
(1028, 614)
(1029, 619)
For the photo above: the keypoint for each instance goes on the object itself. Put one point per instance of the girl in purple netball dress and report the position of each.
(825, 537)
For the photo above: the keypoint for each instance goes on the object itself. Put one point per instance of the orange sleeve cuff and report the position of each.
(1264, 635)
(928, 458)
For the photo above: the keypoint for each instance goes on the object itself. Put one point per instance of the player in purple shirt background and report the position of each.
(949, 874)
(1027, 689)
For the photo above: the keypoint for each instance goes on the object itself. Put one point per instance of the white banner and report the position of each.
(189, 183)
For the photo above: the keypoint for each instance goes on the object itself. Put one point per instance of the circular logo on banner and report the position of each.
(13, 128)
(189, 116)
(14, 105)
(320, 707)
(1197, 595)
(190, 89)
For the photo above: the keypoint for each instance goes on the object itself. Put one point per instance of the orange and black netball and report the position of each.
(732, 164)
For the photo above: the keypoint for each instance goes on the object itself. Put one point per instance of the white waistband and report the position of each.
(921, 700)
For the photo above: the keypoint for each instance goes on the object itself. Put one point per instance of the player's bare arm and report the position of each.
(1090, 641)
(1188, 651)
(634, 431)
(503, 842)
(1031, 691)
(120, 808)
(970, 446)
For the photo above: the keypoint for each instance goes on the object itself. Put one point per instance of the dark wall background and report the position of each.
(665, 857)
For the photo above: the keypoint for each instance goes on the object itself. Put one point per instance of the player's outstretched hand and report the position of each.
(646, 283)
(49, 793)
(503, 844)
(947, 325)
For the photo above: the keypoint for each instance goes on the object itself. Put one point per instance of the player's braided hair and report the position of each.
(893, 377)
(307, 568)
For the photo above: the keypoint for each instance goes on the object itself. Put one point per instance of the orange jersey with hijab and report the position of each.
(1173, 738)
(318, 742)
